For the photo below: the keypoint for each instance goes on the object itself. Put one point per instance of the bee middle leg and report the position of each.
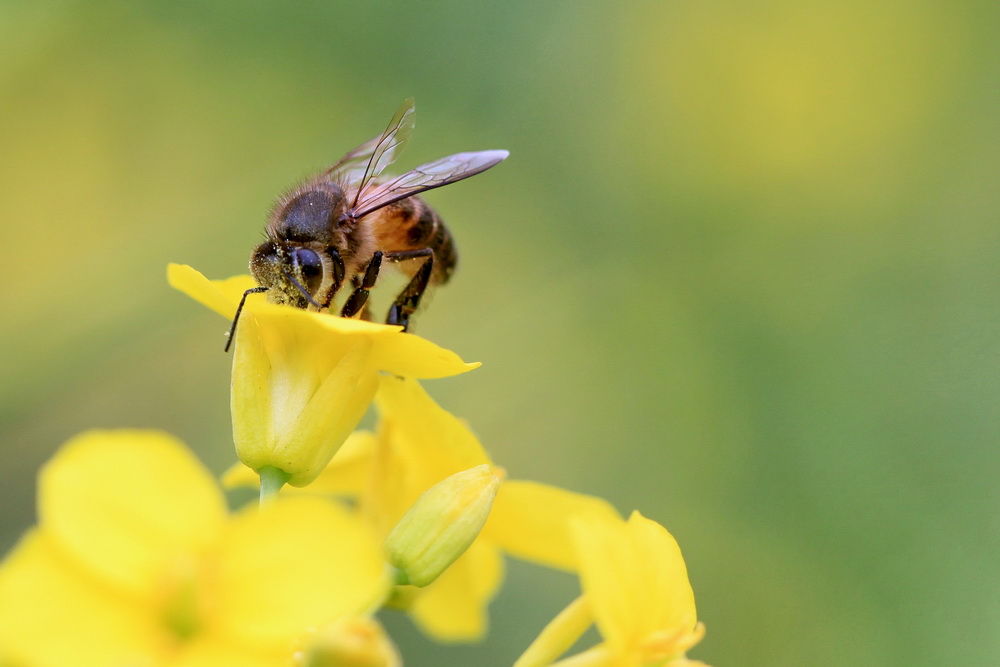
(409, 299)
(359, 297)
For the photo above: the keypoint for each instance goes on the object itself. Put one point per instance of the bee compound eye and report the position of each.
(310, 268)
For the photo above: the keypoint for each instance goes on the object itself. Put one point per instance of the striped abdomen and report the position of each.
(410, 224)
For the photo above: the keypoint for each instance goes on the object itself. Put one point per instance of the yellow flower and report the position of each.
(302, 380)
(635, 589)
(417, 445)
(351, 642)
(135, 561)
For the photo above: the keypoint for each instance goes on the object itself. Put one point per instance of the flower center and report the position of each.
(182, 608)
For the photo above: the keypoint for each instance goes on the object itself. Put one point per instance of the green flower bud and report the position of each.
(441, 525)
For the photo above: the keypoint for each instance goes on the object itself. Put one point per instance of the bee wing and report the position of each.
(364, 164)
(354, 160)
(426, 177)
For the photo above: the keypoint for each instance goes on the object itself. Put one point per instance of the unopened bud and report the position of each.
(441, 525)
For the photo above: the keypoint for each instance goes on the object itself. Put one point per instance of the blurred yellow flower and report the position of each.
(302, 380)
(419, 444)
(351, 642)
(135, 561)
(636, 590)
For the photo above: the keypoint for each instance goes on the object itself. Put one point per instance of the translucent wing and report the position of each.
(363, 164)
(426, 177)
(354, 161)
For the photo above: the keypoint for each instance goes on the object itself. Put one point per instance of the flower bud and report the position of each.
(441, 525)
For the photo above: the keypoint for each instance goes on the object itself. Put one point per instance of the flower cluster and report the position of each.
(136, 559)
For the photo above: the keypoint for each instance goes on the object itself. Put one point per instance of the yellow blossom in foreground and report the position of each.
(635, 589)
(351, 642)
(136, 561)
(302, 380)
(417, 445)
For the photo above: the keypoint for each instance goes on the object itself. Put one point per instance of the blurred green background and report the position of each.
(740, 272)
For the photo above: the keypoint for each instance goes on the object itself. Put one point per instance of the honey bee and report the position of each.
(342, 224)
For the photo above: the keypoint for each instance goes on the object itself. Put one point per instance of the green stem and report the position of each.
(271, 481)
(400, 577)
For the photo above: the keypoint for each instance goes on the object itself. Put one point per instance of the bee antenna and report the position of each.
(300, 288)
(239, 309)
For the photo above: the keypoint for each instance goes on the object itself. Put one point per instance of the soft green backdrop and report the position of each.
(741, 271)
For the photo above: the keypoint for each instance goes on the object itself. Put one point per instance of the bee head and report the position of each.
(292, 274)
(308, 214)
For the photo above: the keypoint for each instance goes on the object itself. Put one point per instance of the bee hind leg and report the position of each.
(409, 299)
(359, 297)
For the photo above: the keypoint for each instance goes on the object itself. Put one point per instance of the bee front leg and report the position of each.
(239, 309)
(337, 265)
(409, 299)
(359, 297)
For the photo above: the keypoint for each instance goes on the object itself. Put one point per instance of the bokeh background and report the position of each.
(740, 272)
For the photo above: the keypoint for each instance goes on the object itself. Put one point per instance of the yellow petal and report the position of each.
(53, 614)
(531, 521)
(409, 355)
(559, 635)
(239, 476)
(419, 444)
(454, 608)
(332, 412)
(400, 353)
(424, 432)
(222, 296)
(250, 399)
(394, 351)
(125, 502)
(635, 578)
(296, 564)
(214, 651)
(601, 656)
(349, 473)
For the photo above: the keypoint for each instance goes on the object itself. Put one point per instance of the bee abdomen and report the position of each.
(418, 226)
(445, 253)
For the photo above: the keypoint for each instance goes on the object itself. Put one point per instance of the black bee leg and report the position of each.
(409, 299)
(359, 297)
(338, 275)
(365, 313)
(239, 309)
